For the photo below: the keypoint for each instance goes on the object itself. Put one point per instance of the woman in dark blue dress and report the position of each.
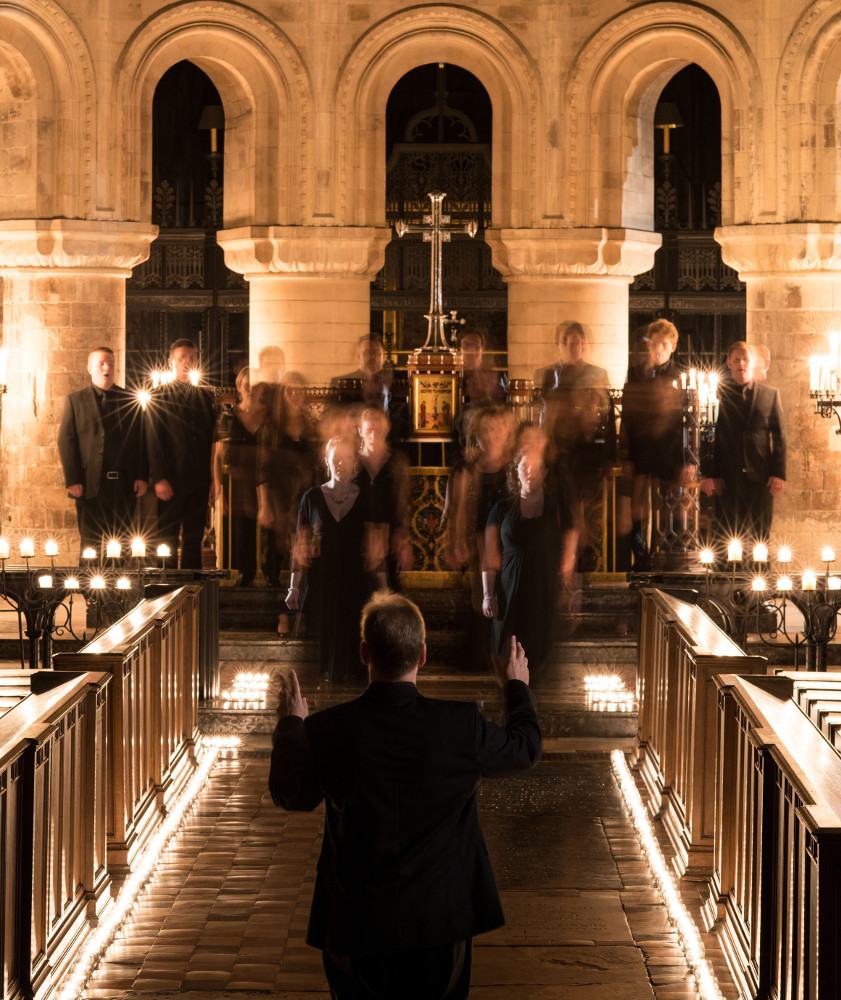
(529, 553)
(329, 555)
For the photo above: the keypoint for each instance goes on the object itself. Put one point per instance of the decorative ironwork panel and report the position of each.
(185, 265)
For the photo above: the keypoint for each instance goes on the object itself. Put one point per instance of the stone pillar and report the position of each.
(793, 277)
(573, 274)
(63, 294)
(309, 291)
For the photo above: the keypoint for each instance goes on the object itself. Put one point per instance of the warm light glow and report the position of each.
(195, 376)
(27, 548)
(707, 557)
(760, 553)
(123, 583)
(51, 548)
(784, 555)
(809, 580)
(608, 693)
(827, 554)
(687, 932)
(164, 552)
(89, 553)
(784, 583)
(143, 397)
(45, 581)
(138, 548)
(758, 583)
(734, 550)
(71, 583)
(97, 583)
(248, 690)
(113, 550)
(4, 548)
(833, 583)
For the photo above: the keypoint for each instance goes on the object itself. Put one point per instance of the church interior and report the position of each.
(425, 211)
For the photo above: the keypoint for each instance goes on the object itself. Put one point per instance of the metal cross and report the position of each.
(436, 230)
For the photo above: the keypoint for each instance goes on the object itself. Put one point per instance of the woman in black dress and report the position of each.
(328, 554)
(529, 552)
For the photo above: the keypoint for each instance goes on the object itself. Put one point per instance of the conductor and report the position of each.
(404, 881)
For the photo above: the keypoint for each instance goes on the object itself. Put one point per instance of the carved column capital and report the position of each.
(572, 253)
(305, 251)
(74, 245)
(784, 250)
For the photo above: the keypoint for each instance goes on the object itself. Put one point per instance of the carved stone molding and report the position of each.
(782, 250)
(305, 251)
(74, 244)
(564, 253)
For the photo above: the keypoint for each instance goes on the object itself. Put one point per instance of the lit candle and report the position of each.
(809, 581)
(784, 555)
(734, 550)
(707, 557)
(138, 548)
(51, 548)
(683, 380)
(784, 583)
(156, 379)
(827, 554)
(164, 552)
(71, 583)
(758, 583)
(4, 548)
(760, 553)
(97, 583)
(113, 549)
(195, 376)
(45, 582)
(143, 397)
(27, 548)
(89, 553)
(123, 583)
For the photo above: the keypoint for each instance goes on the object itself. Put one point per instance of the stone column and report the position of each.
(572, 274)
(309, 291)
(63, 294)
(793, 277)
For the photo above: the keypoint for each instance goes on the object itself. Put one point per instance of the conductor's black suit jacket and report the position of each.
(81, 439)
(755, 449)
(180, 424)
(403, 864)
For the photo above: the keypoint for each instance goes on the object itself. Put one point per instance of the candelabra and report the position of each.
(825, 382)
(805, 617)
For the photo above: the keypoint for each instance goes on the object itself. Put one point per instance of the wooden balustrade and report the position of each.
(775, 892)
(681, 651)
(55, 880)
(152, 655)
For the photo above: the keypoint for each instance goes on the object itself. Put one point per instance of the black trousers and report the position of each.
(107, 515)
(744, 510)
(430, 974)
(185, 513)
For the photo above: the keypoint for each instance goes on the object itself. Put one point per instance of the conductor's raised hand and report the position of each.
(515, 667)
(290, 700)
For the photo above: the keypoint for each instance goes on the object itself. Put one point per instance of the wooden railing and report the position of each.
(775, 893)
(152, 656)
(680, 653)
(55, 879)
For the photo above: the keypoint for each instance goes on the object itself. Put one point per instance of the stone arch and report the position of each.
(266, 95)
(436, 34)
(613, 89)
(809, 117)
(47, 83)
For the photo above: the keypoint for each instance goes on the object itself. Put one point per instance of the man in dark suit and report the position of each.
(747, 468)
(404, 881)
(100, 444)
(181, 420)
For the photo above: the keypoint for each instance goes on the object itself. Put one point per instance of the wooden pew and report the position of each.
(55, 881)
(681, 651)
(152, 656)
(776, 888)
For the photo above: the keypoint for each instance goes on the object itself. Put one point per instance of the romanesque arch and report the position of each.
(808, 99)
(612, 92)
(267, 99)
(436, 34)
(46, 83)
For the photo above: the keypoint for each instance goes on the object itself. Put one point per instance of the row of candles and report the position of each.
(825, 369)
(808, 579)
(706, 385)
(113, 550)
